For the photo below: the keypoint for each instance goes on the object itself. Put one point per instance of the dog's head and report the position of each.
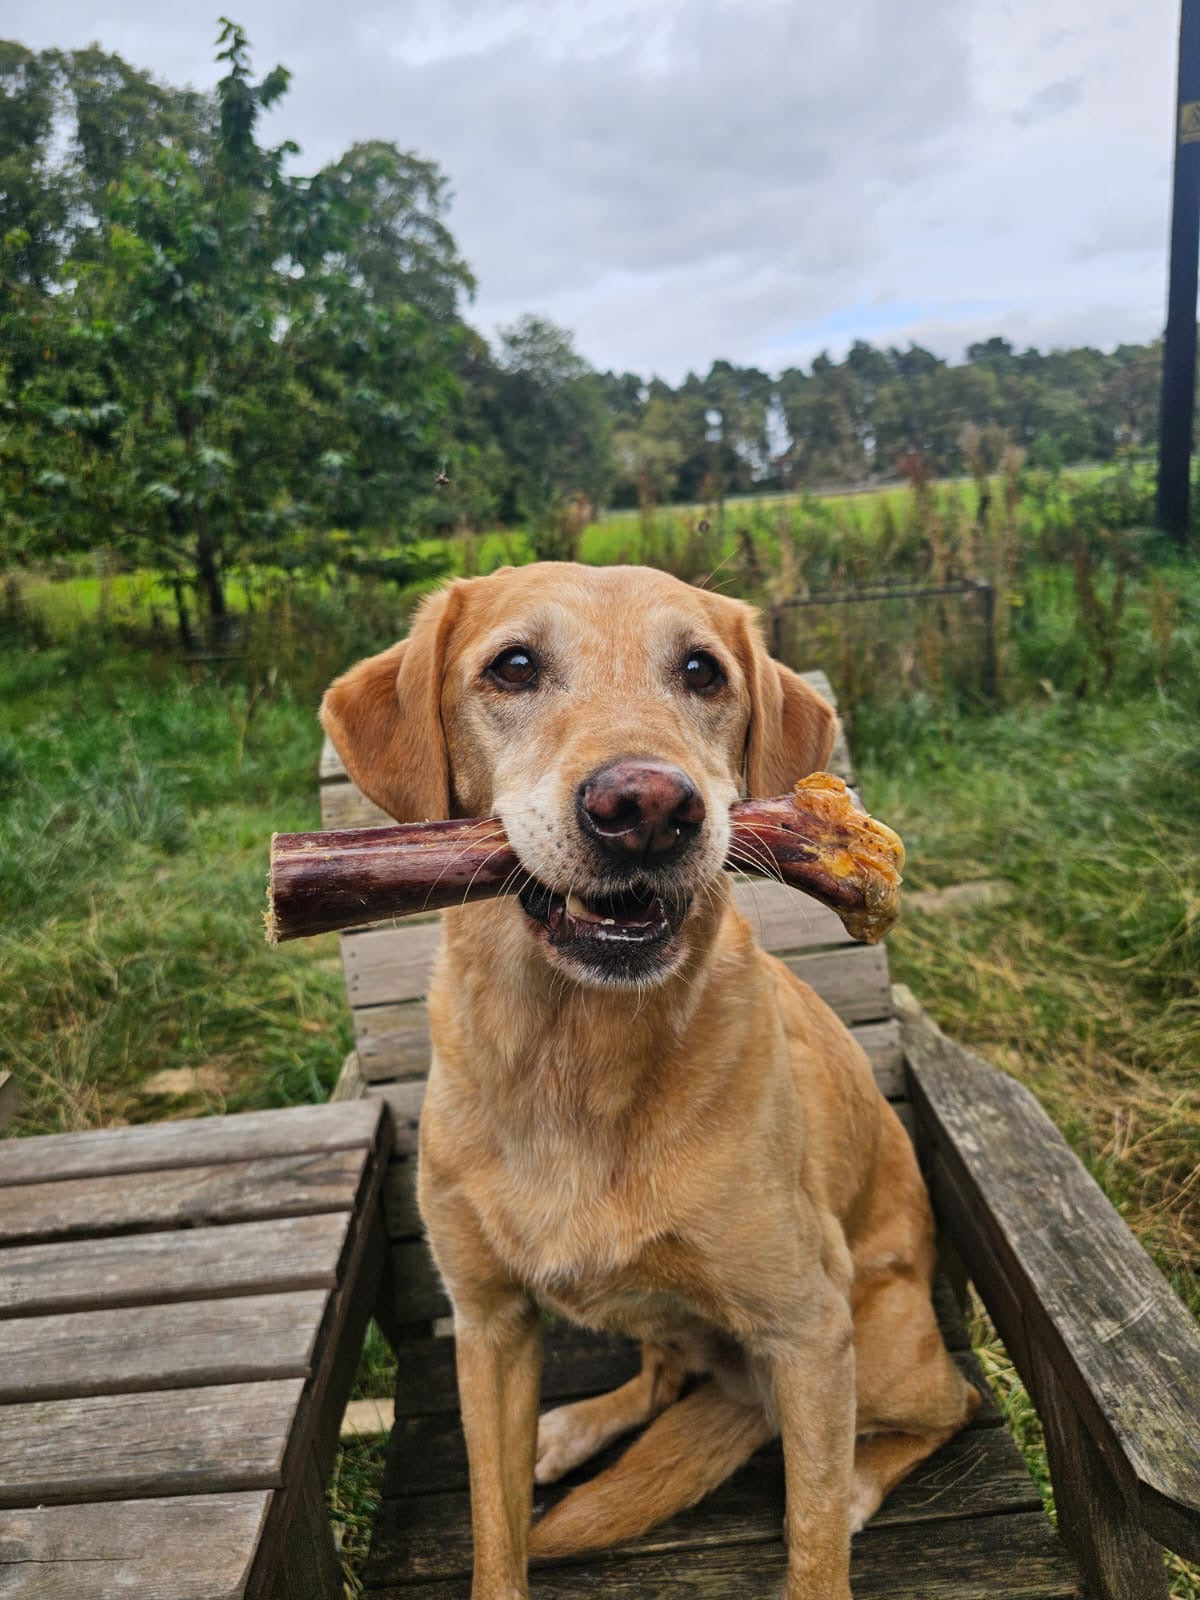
(609, 716)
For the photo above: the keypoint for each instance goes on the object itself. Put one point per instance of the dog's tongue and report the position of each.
(634, 908)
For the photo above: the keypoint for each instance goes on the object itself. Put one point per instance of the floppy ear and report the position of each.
(385, 718)
(792, 727)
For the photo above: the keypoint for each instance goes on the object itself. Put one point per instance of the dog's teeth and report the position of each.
(610, 922)
(576, 908)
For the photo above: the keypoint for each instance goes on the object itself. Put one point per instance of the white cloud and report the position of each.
(684, 179)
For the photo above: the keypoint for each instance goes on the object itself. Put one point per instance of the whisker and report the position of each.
(465, 844)
(758, 859)
(478, 870)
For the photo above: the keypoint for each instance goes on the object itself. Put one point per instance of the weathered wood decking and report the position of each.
(181, 1309)
(942, 1534)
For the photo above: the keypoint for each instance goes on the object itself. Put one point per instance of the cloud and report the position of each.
(1050, 101)
(688, 179)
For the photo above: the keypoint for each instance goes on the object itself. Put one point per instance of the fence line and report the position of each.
(901, 590)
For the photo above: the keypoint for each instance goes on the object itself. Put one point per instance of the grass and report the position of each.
(135, 809)
(668, 538)
(1086, 983)
(137, 796)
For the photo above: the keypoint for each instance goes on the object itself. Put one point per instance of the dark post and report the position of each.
(777, 630)
(987, 600)
(1179, 346)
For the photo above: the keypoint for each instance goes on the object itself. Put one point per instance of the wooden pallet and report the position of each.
(181, 1311)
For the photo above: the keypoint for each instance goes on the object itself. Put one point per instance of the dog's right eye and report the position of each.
(515, 668)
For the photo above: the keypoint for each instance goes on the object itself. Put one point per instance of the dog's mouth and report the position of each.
(617, 936)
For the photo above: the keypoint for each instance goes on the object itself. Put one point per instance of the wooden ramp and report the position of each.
(967, 1525)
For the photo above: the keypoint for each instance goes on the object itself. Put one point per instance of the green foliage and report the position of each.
(553, 427)
(216, 359)
(132, 815)
(736, 429)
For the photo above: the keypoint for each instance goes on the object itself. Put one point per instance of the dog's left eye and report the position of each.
(702, 673)
(516, 668)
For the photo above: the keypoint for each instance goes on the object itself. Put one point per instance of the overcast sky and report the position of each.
(678, 180)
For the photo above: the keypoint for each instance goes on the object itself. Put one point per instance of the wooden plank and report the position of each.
(188, 1547)
(853, 982)
(839, 760)
(312, 1438)
(308, 1568)
(393, 1043)
(136, 1202)
(125, 1446)
(330, 768)
(392, 1040)
(420, 1296)
(978, 1473)
(881, 1041)
(177, 1264)
(819, 680)
(389, 965)
(404, 1102)
(783, 919)
(1017, 1557)
(344, 806)
(1116, 1555)
(192, 1142)
(400, 1200)
(428, 1453)
(1059, 1269)
(10, 1097)
(179, 1346)
(355, 1304)
(576, 1361)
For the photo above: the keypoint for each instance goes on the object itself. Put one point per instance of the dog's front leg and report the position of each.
(499, 1356)
(812, 1381)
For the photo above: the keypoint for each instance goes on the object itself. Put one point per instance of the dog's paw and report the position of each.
(564, 1439)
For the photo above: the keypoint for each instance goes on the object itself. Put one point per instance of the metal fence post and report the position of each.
(987, 600)
(777, 630)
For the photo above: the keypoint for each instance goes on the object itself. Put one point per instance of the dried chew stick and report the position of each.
(815, 839)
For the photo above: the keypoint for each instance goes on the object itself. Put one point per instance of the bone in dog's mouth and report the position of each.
(608, 926)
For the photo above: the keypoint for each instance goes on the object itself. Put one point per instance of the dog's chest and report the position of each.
(609, 1249)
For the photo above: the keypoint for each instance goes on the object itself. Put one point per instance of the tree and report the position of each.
(233, 358)
(647, 452)
(551, 419)
(400, 249)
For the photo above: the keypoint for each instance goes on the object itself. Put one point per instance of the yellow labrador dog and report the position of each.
(635, 1117)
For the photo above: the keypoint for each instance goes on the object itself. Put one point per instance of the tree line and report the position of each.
(209, 359)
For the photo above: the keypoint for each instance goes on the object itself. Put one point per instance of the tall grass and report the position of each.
(135, 807)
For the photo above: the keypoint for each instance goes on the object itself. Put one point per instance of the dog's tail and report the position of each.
(692, 1447)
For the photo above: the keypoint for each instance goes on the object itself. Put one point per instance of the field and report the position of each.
(138, 793)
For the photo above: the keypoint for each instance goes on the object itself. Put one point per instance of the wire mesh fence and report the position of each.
(892, 638)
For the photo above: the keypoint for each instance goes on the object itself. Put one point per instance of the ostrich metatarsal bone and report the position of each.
(816, 839)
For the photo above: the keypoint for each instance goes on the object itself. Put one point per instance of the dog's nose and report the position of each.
(640, 809)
